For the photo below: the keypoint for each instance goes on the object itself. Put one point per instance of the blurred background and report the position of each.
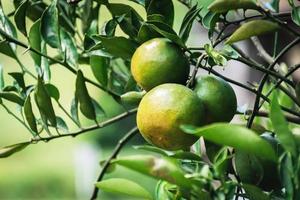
(67, 168)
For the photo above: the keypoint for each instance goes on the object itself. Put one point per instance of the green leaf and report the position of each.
(35, 42)
(50, 26)
(187, 23)
(7, 48)
(123, 187)
(9, 150)
(252, 28)
(287, 174)
(152, 149)
(12, 97)
(74, 110)
(217, 57)
(84, 99)
(171, 36)
(221, 6)
(68, 47)
(296, 15)
(284, 135)
(229, 52)
(2, 84)
(20, 16)
(52, 91)
(255, 193)
(157, 167)
(248, 168)
(29, 116)
(128, 19)
(98, 109)
(118, 46)
(19, 78)
(99, 66)
(164, 8)
(235, 136)
(165, 191)
(62, 125)
(44, 102)
(185, 155)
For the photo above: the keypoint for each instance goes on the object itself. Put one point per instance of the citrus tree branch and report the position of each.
(85, 130)
(54, 60)
(114, 154)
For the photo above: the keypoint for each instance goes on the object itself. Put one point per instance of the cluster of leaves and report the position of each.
(235, 157)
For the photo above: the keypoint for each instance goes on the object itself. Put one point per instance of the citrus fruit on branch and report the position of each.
(218, 98)
(161, 112)
(159, 61)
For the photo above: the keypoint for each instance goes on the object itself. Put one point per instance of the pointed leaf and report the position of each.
(235, 136)
(2, 84)
(284, 135)
(296, 15)
(49, 25)
(84, 99)
(12, 97)
(62, 125)
(221, 6)
(124, 187)
(29, 116)
(44, 102)
(158, 167)
(187, 23)
(99, 67)
(52, 91)
(74, 109)
(98, 109)
(164, 8)
(34, 38)
(68, 47)
(20, 16)
(252, 28)
(9, 150)
(254, 192)
(19, 78)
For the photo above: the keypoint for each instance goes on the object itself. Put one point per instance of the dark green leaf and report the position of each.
(29, 116)
(248, 167)
(281, 128)
(49, 25)
(109, 28)
(2, 84)
(99, 66)
(124, 187)
(61, 125)
(221, 6)
(255, 193)
(44, 102)
(84, 99)
(187, 23)
(235, 136)
(9, 150)
(19, 77)
(296, 15)
(252, 28)
(158, 167)
(35, 42)
(98, 109)
(68, 47)
(287, 174)
(45, 67)
(118, 46)
(12, 97)
(20, 16)
(52, 91)
(164, 8)
(74, 109)
(184, 155)
(6, 48)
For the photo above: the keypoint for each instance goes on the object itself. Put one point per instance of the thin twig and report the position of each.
(84, 130)
(114, 154)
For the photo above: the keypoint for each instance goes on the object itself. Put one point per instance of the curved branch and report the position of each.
(82, 131)
(116, 151)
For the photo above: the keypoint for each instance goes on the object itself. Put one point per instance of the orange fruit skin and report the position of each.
(218, 97)
(159, 61)
(161, 112)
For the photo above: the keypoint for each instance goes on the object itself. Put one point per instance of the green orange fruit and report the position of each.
(218, 98)
(159, 61)
(161, 112)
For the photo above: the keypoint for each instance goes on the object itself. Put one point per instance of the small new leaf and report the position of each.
(9, 150)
